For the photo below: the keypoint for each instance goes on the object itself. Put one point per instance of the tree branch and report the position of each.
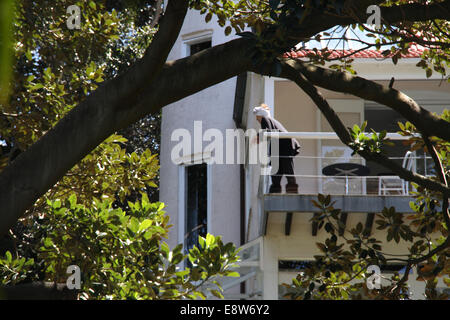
(122, 101)
(338, 81)
(159, 8)
(37, 169)
(441, 174)
(389, 15)
(345, 137)
(437, 162)
(416, 12)
(290, 72)
(151, 64)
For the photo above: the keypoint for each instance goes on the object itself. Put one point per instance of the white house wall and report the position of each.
(214, 107)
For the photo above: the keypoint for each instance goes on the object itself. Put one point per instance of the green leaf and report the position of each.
(209, 240)
(201, 241)
(395, 59)
(364, 125)
(165, 249)
(8, 257)
(344, 294)
(233, 274)
(321, 246)
(208, 17)
(37, 86)
(7, 8)
(447, 281)
(48, 242)
(134, 224)
(359, 227)
(72, 200)
(145, 224)
(217, 294)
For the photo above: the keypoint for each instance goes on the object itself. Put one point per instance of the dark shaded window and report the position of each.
(382, 118)
(392, 268)
(194, 48)
(196, 204)
(298, 265)
(293, 265)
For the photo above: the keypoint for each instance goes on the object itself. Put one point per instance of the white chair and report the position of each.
(389, 184)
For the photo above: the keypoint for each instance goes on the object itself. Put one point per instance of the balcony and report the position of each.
(365, 192)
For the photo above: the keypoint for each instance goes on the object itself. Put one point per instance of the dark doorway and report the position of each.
(196, 204)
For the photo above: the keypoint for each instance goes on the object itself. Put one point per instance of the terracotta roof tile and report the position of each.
(415, 51)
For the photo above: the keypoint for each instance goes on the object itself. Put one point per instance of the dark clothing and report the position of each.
(285, 167)
(288, 148)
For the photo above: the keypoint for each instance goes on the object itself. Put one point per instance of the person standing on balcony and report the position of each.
(288, 149)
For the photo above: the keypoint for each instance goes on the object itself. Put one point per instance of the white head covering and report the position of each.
(260, 111)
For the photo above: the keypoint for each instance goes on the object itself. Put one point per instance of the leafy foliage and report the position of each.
(6, 18)
(121, 254)
(54, 73)
(339, 271)
(108, 172)
(363, 142)
(15, 270)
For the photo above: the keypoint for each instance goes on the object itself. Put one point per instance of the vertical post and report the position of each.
(269, 88)
(270, 274)
(346, 184)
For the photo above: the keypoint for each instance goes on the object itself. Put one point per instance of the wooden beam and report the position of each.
(288, 223)
(343, 223)
(369, 223)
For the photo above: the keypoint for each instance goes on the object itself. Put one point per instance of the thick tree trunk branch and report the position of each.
(444, 246)
(356, 13)
(338, 81)
(416, 12)
(148, 68)
(441, 174)
(437, 162)
(37, 169)
(159, 8)
(145, 88)
(331, 116)
(401, 13)
(406, 174)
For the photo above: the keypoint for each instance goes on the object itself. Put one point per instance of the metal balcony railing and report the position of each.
(328, 151)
